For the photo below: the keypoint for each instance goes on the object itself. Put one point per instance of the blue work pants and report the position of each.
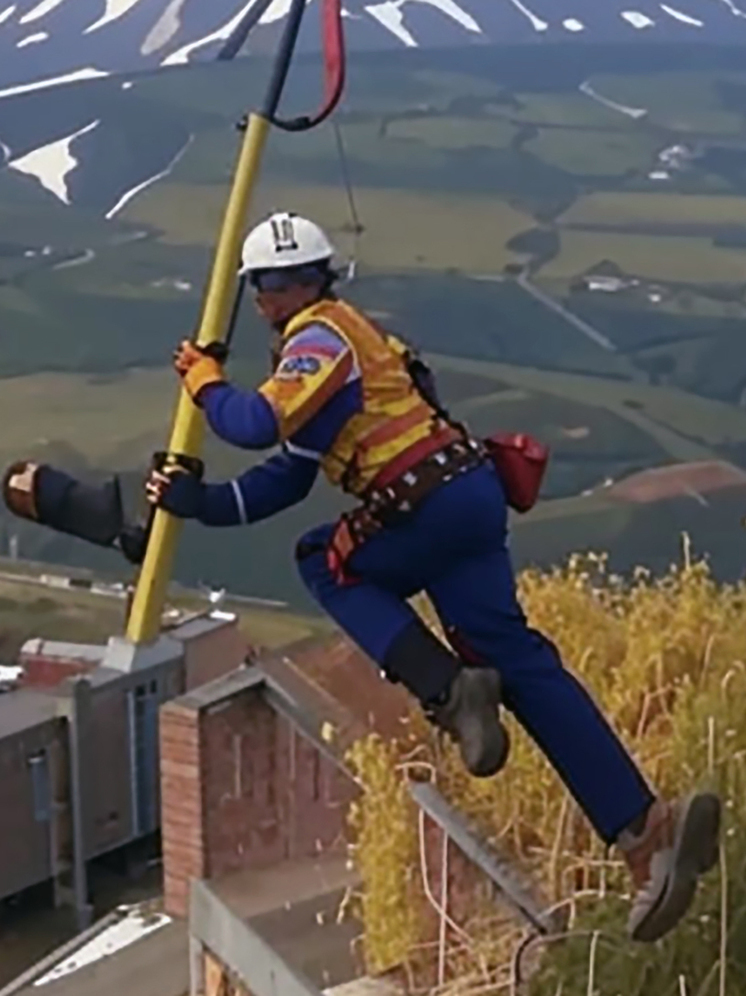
(454, 548)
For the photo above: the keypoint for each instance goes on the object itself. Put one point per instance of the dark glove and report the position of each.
(199, 366)
(42, 494)
(176, 490)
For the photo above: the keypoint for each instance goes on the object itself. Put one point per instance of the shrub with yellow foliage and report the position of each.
(665, 659)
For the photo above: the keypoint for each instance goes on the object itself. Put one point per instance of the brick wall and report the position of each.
(270, 795)
(243, 825)
(181, 804)
(241, 788)
(316, 795)
(212, 654)
(46, 672)
(344, 673)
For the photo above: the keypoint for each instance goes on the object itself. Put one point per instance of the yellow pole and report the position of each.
(187, 434)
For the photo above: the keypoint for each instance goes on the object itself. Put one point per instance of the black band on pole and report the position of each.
(238, 37)
(240, 291)
(283, 59)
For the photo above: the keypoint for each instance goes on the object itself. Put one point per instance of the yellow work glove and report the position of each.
(196, 368)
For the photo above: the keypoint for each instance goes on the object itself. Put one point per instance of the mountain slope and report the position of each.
(44, 40)
(73, 120)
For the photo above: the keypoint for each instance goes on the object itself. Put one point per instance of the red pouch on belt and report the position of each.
(521, 461)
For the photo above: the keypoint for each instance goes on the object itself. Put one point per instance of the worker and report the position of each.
(431, 517)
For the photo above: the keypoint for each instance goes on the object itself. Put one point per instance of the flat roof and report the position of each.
(23, 709)
(199, 626)
(62, 650)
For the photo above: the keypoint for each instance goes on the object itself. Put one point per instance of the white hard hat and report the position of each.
(284, 239)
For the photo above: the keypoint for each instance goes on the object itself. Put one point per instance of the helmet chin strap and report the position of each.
(324, 290)
(279, 324)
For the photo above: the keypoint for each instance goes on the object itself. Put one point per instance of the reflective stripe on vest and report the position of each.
(394, 416)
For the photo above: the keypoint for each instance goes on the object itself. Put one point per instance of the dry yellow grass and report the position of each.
(664, 659)
(404, 229)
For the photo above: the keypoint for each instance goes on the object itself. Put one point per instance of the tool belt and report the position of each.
(388, 505)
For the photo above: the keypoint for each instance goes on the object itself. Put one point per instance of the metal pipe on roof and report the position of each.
(80, 705)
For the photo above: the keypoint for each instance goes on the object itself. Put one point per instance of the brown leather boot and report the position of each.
(679, 843)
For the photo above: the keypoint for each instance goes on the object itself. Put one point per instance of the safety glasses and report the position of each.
(268, 280)
(279, 280)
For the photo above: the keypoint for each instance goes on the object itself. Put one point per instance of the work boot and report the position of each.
(470, 716)
(461, 701)
(680, 842)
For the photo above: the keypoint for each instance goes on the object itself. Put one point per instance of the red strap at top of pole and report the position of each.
(334, 69)
(334, 56)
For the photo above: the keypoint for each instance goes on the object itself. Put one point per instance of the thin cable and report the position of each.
(444, 907)
(428, 891)
(357, 227)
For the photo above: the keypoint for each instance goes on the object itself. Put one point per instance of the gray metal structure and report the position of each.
(88, 780)
(212, 925)
(523, 900)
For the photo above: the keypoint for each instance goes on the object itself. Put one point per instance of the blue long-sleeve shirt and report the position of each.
(281, 481)
(314, 391)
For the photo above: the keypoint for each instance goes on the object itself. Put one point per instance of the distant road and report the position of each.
(549, 302)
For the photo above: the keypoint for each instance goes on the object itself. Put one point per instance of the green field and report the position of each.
(687, 426)
(443, 132)
(463, 154)
(97, 420)
(630, 209)
(595, 427)
(600, 153)
(681, 102)
(671, 259)
(449, 161)
(403, 229)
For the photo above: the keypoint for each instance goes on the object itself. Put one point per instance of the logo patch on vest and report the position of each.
(294, 367)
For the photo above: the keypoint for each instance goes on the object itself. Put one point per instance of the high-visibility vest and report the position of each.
(394, 418)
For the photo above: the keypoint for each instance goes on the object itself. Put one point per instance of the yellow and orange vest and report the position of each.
(395, 419)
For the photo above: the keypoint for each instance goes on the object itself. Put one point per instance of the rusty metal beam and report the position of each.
(500, 871)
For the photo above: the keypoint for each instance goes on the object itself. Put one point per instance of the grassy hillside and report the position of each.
(457, 168)
(447, 168)
(597, 429)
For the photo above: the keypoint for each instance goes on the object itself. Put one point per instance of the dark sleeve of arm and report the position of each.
(242, 418)
(263, 491)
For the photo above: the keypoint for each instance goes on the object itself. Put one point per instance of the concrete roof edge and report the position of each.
(214, 692)
(280, 665)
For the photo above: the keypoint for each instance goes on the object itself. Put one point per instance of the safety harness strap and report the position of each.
(385, 506)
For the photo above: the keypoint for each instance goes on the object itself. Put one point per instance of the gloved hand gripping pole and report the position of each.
(149, 596)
